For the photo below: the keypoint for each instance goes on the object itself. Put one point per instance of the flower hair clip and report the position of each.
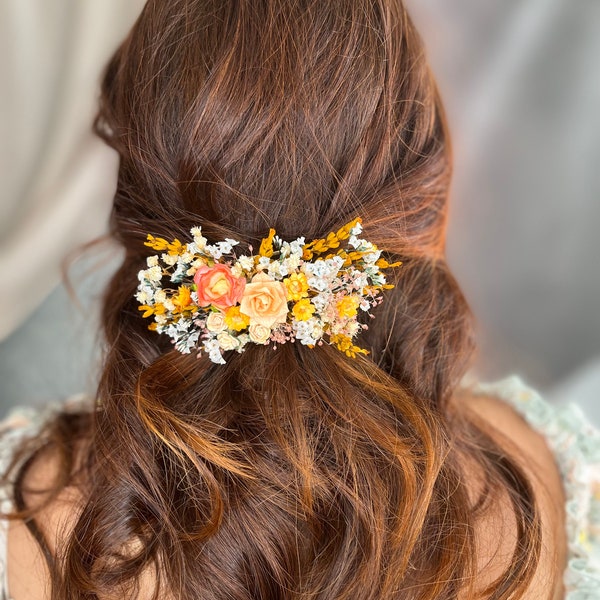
(208, 299)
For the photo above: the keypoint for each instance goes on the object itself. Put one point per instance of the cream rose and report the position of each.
(259, 334)
(215, 321)
(227, 341)
(265, 301)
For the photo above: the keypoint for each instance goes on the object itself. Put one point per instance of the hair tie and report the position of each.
(208, 299)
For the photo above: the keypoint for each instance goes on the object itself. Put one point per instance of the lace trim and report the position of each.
(575, 443)
(20, 424)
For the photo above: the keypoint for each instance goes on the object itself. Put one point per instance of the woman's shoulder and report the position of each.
(22, 564)
(560, 449)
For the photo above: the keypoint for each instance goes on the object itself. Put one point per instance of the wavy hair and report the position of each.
(297, 473)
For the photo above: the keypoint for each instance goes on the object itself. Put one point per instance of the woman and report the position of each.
(288, 470)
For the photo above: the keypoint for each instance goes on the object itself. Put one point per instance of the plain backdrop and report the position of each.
(522, 90)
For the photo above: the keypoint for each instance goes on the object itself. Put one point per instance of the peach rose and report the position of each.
(265, 301)
(217, 286)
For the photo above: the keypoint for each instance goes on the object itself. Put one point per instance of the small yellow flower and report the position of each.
(159, 309)
(236, 320)
(354, 256)
(148, 310)
(183, 298)
(307, 253)
(296, 286)
(384, 264)
(303, 310)
(348, 306)
(156, 243)
(343, 233)
(156, 309)
(175, 248)
(266, 246)
(345, 345)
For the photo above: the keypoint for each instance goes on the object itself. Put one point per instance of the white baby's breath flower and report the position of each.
(264, 262)
(336, 262)
(170, 259)
(307, 267)
(152, 261)
(354, 241)
(296, 246)
(247, 262)
(292, 262)
(154, 274)
(364, 304)
(357, 229)
(320, 301)
(183, 325)
(161, 319)
(215, 322)
(259, 334)
(160, 296)
(179, 272)
(273, 270)
(226, 247)
(284, 249)
(192, 248)
(187, 343)
(187, 257)
(321, 268)
(169, 305)
(360, 280)
(308, 332)
(318, 283)
(371, 257)
(227, 341)
(199, 239)
(236, 270)
(212, 348)
(143, 297)
(213, 250)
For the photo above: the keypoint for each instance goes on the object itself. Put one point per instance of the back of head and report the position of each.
(241, 116)
(300, 472)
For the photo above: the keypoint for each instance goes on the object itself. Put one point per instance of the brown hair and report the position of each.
(296, 473)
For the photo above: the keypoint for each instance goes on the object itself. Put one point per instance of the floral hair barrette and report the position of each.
(208, 299)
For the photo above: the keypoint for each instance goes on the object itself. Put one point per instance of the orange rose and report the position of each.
(265, 301)
(217, 286)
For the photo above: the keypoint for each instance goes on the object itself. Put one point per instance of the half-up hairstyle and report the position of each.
(295, 473)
